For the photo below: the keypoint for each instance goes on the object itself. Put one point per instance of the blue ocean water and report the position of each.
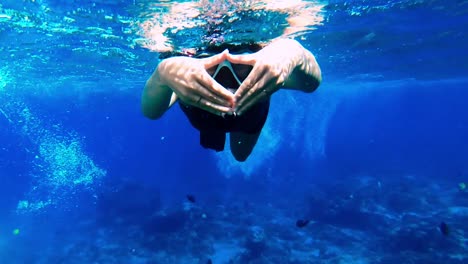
(376, 159)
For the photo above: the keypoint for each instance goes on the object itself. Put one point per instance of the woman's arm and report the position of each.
(306, 75)
(157, 98)
(284, 63)
(185, 79)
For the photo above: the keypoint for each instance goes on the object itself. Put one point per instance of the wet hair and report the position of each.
(210, 50)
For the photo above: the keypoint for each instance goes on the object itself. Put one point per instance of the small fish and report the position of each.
(444, 229)
(209, 261)
(191, 198)
(302, 223)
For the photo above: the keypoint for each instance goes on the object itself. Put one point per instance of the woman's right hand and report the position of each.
(189, 80)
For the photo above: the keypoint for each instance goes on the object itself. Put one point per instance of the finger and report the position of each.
(247, 100)
(198, 91)
(199, 101)
(254, 99)
(206, 82)
(247, 105)
(214, 60)
(249, 85)
(248, 59)
(213, 108)
(212, 96)
(262, 89)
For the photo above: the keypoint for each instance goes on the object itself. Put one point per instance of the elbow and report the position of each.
(151, 116)
(312, 85)
(151, 113)
(315, 82)
(314, 78)
(150, 109)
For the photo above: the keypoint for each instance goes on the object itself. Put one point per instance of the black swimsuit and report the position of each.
(213, 128)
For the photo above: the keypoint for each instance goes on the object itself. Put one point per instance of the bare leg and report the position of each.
(242, 144)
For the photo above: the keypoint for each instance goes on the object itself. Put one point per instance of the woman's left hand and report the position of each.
(271, 68)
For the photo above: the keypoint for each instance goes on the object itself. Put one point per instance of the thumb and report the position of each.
(215, 60)
(248, 59)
